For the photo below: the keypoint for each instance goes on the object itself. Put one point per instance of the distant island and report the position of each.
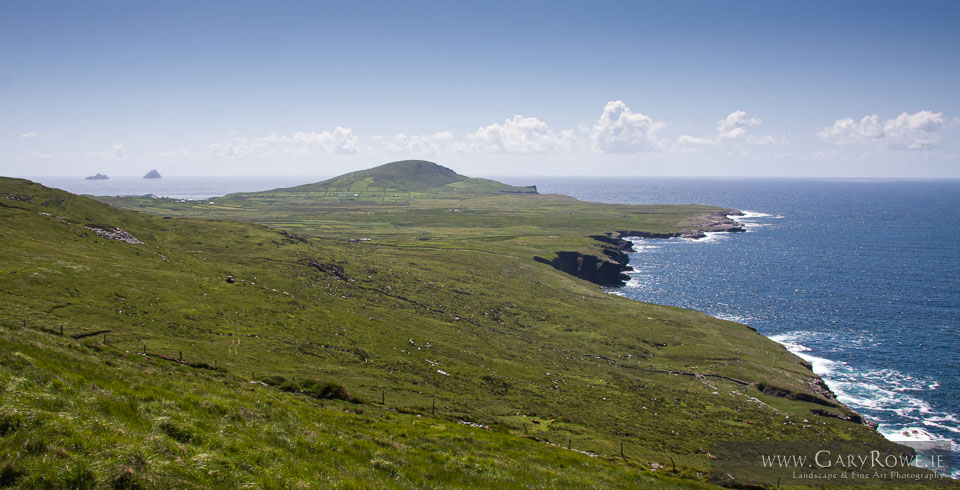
(99, 176)
(153, 174)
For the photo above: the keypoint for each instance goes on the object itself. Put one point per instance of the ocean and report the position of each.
(861, 278)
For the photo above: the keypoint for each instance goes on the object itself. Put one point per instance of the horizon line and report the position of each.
(512, 176)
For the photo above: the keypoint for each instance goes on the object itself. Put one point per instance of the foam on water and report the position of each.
(634, 281)
(821, 366)
(641, 244)
(750, 214)
(751, 226)
(882, 394)
(747, 220)
(711, 237)
(947, 422)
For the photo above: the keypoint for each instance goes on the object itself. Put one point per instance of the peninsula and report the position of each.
(404, 323)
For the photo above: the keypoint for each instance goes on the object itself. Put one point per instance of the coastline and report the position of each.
(611, 268)
(819, 383)
(822, 367)
(723, 223)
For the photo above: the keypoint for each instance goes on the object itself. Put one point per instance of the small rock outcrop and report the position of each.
(153, 174)
(847, 415)
(589, 267)
(793, 395)
(99, 176)
(115, 234)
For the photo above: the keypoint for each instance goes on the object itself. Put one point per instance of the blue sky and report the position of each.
(858, 89)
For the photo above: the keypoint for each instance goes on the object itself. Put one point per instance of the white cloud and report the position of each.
(522, 134)
(31, 134)
(846, 131)
(731, 128)
(340, 141)
(735, 125)
(918, 131)
(620, 130)
(421, 144)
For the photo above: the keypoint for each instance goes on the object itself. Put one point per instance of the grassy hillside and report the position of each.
(467, 213)
(443, 319)
(77, 414)
(402, 176)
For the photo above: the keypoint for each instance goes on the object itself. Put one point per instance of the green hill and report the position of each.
(402, 176)
(396, 182)
(169, 375)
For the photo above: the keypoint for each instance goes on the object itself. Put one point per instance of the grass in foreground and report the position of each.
(91, 416)
(482, 331)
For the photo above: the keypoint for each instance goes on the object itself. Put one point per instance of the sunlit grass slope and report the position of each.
(449, 328)
(88, 415)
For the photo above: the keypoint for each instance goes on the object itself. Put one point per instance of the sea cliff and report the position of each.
(610, 269)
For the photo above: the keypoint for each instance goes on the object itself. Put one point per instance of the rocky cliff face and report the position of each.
(606, 270)
(589, 267)
(610, 269)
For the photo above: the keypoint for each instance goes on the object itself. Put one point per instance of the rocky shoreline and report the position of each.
(611, 268)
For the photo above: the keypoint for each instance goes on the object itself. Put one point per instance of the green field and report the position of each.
(442, 316)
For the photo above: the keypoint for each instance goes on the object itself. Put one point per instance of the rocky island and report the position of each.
(99, 176)
(153, 174)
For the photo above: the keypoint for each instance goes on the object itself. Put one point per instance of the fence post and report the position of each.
(621, 450)
(61, 330)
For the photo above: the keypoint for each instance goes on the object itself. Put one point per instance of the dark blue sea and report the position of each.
(861, 278)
